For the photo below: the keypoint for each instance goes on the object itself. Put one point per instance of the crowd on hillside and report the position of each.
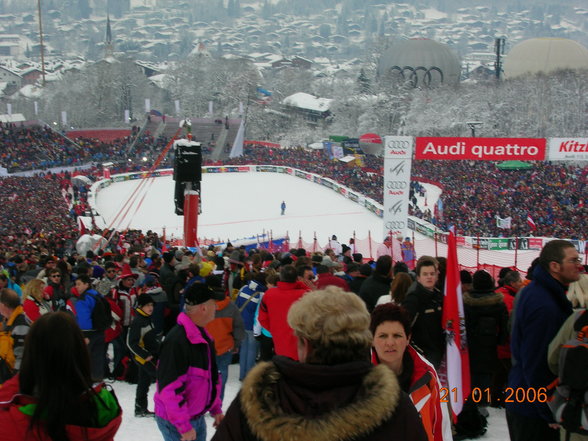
(26, 148)
(40, 147)
(550, 194)
(474, 193)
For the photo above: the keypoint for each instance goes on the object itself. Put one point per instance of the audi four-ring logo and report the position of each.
(399, 144)
(396, 185)
(413, 74)
(394, 225)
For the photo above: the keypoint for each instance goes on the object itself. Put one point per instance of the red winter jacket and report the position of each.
(15, 422)
(508, 293)
(273, 314)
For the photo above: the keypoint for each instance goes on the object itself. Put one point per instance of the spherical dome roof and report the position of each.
(545, 55)
(424, 62)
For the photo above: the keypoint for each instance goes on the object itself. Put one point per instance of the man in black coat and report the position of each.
(167, 275)
(378, 284)
(424, 304)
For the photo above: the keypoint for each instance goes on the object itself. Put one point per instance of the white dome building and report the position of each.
(422, 62)
(544, 55)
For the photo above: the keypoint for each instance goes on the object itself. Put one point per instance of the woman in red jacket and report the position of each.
(34, 303)
(52, 396)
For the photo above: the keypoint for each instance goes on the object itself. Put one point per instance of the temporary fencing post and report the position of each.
(435, 240)
(314, 243)
(370, 244)
(354, 246)
(413, 261)
(478, 253)
(391, 246)
(516, 251)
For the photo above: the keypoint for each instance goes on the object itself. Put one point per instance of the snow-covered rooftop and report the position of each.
(306, 101)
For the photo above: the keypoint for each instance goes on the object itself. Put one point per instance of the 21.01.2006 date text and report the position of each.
(510, 395)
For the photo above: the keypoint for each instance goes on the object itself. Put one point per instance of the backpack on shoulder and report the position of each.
(569, 403)
(101, 314)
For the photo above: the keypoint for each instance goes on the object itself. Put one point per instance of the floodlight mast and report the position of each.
(188, 174)
(472, 125)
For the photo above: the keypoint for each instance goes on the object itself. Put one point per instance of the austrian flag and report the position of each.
(453, 320)
(531, 223)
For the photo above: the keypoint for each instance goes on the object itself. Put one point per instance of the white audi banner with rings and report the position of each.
(397, 165)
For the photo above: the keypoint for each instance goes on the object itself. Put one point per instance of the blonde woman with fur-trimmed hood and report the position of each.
(333, 392)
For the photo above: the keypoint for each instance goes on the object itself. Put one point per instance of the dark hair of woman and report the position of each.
(390, 312)
(399, 287)
(55, 370)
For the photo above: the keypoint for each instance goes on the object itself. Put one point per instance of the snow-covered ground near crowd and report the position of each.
(145, 429)
(241, 205)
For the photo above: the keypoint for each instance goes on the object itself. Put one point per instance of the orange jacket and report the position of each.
(227, 328)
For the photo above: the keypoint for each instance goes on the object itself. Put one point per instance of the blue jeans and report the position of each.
(222, 363)
(170, 433)
(247, 354)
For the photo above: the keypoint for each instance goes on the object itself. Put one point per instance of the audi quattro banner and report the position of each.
(565, 149)
(481, 149)
(397, 165)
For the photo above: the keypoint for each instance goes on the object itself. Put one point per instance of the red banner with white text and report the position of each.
(481, 149)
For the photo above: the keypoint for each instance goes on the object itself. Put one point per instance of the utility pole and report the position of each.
(499, 48)
(41, 41)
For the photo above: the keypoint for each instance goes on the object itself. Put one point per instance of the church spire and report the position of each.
(108, 42)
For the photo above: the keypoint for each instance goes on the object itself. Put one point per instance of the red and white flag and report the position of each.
(453, 321)
(83, 229)
(531, 223)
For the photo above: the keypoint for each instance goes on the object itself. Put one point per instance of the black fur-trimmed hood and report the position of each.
(373, 401)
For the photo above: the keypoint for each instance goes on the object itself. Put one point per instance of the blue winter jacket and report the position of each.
(253, 290)
(84, 307)
(540, 310)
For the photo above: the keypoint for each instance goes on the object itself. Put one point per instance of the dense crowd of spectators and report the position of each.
(26, 148)
(474, 193)
(37, 148)
(35, 215)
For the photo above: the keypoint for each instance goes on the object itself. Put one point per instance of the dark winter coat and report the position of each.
(356, 283)
(167, 279)
(425, 309)
(373, 288)
(285, 399)
(486, 327)
(142, 339)
(540, 310)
